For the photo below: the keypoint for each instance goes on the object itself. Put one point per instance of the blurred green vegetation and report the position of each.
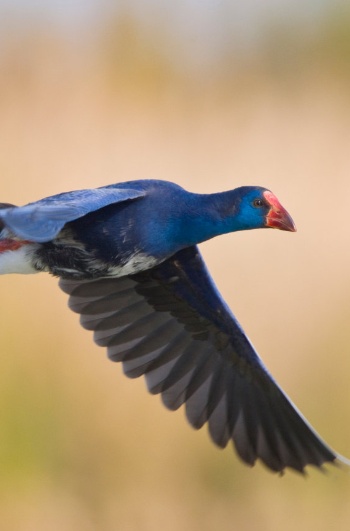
(81, 446)
(148, 59)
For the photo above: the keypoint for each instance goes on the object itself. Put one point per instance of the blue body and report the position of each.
(144, 218)
(163, 221)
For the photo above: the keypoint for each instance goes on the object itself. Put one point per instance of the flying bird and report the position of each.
(127, 256)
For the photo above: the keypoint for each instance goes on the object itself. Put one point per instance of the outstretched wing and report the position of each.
(42, 221)
(170, 324)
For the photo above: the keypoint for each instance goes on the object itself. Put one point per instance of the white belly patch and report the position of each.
(137, 263)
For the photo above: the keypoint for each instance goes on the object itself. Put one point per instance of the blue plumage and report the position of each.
(127, 256)
(42, 221)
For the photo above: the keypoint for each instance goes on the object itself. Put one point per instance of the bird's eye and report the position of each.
(258, 203)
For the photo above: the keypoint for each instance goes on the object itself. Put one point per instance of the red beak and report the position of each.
(278, 217)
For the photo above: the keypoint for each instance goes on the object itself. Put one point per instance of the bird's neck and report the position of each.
(207, 216)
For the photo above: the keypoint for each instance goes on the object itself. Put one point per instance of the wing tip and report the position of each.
(341, 462)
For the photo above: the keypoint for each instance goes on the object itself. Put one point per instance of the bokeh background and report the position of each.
(212, 95)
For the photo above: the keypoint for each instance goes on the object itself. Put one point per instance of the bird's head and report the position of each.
(257, 207)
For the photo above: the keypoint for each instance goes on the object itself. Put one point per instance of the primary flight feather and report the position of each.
(127, 256)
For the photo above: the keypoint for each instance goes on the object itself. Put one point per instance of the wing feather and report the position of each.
(170, 324)
(43, 220)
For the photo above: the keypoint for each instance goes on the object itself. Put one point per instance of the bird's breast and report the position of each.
(74, 260)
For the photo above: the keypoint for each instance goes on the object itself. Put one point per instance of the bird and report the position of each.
(127, 256)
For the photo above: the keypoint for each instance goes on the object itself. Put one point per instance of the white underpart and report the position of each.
(17, 260)
(137, 263)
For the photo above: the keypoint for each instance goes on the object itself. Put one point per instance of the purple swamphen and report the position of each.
(127, 256)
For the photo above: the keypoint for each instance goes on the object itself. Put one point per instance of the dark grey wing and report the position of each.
(170, 324)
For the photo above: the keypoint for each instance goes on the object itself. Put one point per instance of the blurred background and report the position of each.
(211, 94)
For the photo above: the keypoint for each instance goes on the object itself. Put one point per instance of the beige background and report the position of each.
(83, 447)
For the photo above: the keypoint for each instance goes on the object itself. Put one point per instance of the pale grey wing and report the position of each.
(42, 221)
(170, 324)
